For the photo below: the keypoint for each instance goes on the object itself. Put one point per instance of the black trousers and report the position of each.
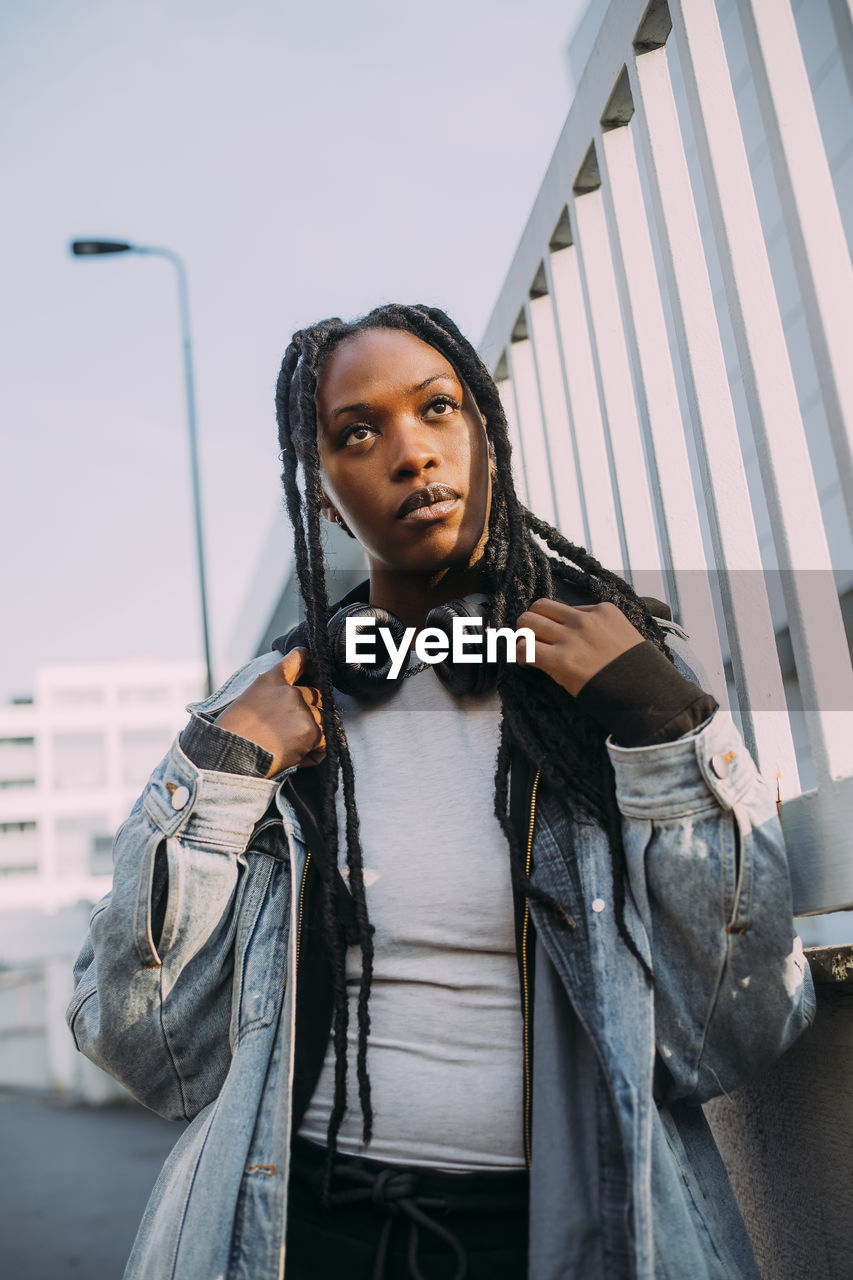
(394, 1222)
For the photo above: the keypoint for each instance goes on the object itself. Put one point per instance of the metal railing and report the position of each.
(609, 348)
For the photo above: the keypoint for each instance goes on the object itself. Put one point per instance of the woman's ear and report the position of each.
(327, 508)
(329, 512)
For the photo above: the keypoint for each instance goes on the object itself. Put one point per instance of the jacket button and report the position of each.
(721, 764)
(598, 904)
(180, 796)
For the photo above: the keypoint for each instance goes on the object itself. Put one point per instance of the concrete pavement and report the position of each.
(74, 1181)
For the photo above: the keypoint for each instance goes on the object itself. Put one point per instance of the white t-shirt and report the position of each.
(445, 1052)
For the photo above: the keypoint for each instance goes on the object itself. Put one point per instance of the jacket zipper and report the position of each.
(300, 913)
(528, 1149)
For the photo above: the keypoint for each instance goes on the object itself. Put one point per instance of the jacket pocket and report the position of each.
(738, 874)
(149, 951)
(260, 947)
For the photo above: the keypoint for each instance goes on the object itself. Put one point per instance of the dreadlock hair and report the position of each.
(539, 718)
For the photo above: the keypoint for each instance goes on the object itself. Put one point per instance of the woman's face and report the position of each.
(403, 453)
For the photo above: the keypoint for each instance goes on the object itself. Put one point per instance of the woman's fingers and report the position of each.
(555, 609)
(544, 628)
(314, 702)
(293, 664)
(548, 629)
(574, 642)
(312, 699)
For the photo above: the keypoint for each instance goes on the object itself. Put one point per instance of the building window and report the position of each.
(101, 855)
(77, 697)
(80, 760)
(76, 837)
(17, 762)
(18, 847)
(144, 695)
(140, 751)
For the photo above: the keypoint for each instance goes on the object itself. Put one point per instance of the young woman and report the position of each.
(440, 967)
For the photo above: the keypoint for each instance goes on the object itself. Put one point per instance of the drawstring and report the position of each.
(396, 1194)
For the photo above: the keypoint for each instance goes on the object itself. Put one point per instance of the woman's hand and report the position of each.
(574, 642)
(281, 718)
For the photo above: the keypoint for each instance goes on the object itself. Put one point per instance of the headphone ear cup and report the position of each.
(471, 678)
(366, 680)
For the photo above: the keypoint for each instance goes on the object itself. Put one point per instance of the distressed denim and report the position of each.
(625, 1178)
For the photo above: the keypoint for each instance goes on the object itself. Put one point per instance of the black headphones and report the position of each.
(370, 682)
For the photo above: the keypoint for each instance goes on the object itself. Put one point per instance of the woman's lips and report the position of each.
(433, 511)
(430, 495)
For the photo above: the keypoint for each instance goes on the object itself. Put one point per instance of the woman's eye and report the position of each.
(443, 406)
(356, 434)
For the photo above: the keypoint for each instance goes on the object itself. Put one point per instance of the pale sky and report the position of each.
(306, 160)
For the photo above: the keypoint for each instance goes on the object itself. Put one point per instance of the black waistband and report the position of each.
(412, 1193)
(479, 1191)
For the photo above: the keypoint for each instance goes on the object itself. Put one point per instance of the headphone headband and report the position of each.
(370, 681)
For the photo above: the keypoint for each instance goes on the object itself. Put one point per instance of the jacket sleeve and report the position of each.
(155, 1011)
(709, 878)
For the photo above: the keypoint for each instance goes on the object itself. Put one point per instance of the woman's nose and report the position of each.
(414, 450)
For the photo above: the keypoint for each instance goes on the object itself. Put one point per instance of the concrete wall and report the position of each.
(787, 1140)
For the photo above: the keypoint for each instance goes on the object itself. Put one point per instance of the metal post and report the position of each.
(186, 340)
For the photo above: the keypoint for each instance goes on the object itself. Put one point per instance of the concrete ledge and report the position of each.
(832, 967)
(787, 1139)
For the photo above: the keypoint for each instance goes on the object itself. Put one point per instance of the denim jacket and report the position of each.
(625, 1176)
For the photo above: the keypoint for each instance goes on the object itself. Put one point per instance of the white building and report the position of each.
(72, 762)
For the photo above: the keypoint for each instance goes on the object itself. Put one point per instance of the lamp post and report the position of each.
(90, 248)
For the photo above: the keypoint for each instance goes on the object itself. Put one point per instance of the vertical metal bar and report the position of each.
(810, 210)
(596, 486)
(555, 414)
(635, 268)
(531, 427)
(842, 18)
(750, 627)
(617, 393)
(546, 442)
(506, 392)
(814, 613)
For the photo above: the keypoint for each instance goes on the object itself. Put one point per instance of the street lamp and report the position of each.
(91, 248)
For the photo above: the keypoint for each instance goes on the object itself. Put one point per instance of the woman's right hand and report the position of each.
(284, 719)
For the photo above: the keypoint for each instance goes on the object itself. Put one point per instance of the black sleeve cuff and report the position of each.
(642, 699)
(209, 746)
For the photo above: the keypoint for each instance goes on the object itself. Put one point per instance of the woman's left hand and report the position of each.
(574, 642)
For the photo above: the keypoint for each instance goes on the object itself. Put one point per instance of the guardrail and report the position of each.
(606, 343)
